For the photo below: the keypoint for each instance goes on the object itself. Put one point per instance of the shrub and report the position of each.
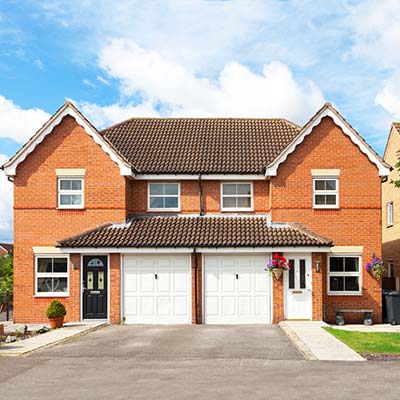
(56, 309)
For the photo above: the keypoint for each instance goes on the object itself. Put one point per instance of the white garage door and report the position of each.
(156, 289)
(237, 290)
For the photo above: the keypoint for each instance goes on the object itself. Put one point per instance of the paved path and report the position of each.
(126, 362)
(317, 344)
(53, 337)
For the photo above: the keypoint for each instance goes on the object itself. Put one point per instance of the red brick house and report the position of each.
(5, 249)
(173, 220)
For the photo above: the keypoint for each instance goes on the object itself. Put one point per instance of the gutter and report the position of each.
(200, 197)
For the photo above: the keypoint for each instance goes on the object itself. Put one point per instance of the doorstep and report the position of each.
(316, 343)
(69, 331)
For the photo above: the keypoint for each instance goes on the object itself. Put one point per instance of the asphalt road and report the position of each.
(190, 362)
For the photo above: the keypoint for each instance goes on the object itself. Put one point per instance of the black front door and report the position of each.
(94, 283)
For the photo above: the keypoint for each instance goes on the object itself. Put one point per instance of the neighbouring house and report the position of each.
(173, 220)
(6, 249)
(391, 210)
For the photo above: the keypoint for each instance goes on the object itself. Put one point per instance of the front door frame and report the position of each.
(108, 288)
(297, 256)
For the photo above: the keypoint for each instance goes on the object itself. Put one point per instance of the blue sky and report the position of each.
(195, 58)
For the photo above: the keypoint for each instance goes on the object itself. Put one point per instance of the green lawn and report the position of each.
(369, 342)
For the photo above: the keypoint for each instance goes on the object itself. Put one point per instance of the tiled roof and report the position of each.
(7, 246)
(204, 231)
(201, 145)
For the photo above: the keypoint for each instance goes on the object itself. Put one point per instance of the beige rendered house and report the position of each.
(391, 208)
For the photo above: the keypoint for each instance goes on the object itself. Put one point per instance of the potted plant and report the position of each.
(277, 265)
(375, 267)
(55, 313)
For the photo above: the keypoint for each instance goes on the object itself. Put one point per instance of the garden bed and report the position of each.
(17, 335)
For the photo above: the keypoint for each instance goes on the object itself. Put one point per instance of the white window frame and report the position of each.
(389, 214)
(70, 192)
(326, 192)
(164, 195)
(51, 275)
(234, 209)
(343, 273)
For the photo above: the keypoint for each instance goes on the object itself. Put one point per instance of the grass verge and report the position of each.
(369, 342)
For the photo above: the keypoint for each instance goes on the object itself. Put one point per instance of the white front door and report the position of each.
(156, 289)
(298, 287)
(237, 290)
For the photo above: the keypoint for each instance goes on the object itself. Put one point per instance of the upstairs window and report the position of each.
(325, 193)
(164, 197)
(70, 192)
(237, 196)
(389, 214)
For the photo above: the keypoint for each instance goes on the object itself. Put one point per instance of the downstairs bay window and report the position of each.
(344, 275)
(51, 276)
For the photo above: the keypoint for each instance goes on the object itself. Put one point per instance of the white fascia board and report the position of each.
(205, 177)
(272, 169)
(165, 250)
(11, 166)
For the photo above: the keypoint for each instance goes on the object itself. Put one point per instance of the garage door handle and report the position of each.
(155, 276)
(237, 276)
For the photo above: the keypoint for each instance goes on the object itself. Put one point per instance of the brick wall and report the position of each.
(358, 220)
(37, 222)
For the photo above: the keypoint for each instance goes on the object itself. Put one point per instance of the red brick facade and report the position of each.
(109, 197)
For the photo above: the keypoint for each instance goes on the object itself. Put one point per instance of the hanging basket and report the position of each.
(377, 274)
(277, 273)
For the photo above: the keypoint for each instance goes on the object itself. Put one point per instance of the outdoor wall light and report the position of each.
(317, 268)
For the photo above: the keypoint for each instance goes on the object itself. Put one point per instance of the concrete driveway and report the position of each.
(200, 362)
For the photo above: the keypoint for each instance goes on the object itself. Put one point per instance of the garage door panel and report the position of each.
(236, 289)
(157, 289)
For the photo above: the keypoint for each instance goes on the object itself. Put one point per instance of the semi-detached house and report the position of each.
(173, 220)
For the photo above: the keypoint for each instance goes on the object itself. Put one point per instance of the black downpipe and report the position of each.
(196, 314)
(200, 197)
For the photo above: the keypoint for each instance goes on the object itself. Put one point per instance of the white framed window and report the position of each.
(344, 275)
(70, 192)
(51, 276)
(164, 196)
(325, 192)
(389, 214)
(237, 196)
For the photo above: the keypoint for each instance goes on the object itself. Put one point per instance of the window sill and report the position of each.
(344, 294)
(326, 208)
(163, 210)
(51, 295)
(70, 208)
(237, 209)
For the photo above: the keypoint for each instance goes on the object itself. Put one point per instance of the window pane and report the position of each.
(44, 285)
(336, 264)
(244, 202)
(351, 283)
(330, 199)
(319, 185)
(171, 202)
(330, 184)
(65, 200)
(229, 202)
(302, 274)
(157, 188)
(351, 264)
(319, 199)
(76, 185)
(60, 265)
(336, 283)
(45, 264)
(291, 274)
(171, 188)
(229, 188)
(76, 199)
(60, 284)
(244, 188)
(65, 184)
(156, 202)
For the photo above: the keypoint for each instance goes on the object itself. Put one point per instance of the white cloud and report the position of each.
(6, 203)
(389, 97)
(171, 88)
(17, 123)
